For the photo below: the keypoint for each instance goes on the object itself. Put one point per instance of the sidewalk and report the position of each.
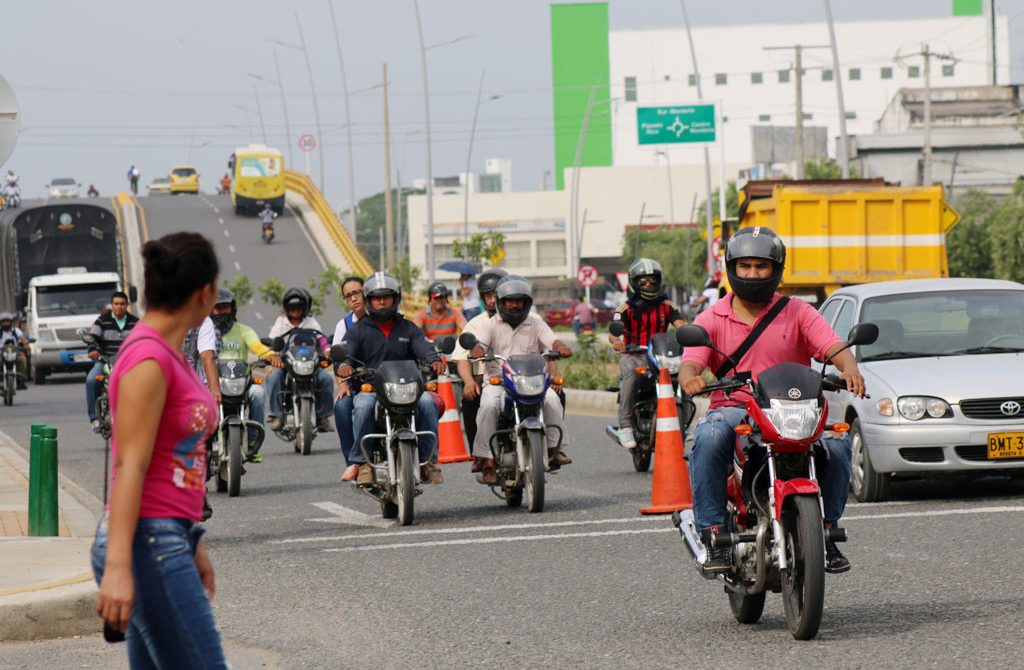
(46, 583)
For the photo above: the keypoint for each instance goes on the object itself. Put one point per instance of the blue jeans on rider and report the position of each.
(343, 422)
(711, 463)
(324, 391)
(172, 625)
(91, 390)
(363, 414)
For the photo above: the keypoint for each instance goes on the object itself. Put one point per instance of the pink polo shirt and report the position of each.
(797, 335)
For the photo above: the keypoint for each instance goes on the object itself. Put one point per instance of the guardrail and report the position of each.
(304, 186)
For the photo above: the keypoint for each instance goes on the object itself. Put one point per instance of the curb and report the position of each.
(59, 611)
(599, 403)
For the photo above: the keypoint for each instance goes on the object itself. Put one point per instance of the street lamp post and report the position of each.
(469, 155)
(312, 88)
(259, 112)
(348, 128)
(284, 104)
(248, 119)
(668, 171)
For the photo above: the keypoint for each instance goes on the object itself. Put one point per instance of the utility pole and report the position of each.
(389, 232)
(844, 144)
(798, 50)
(710, 224)
(926, 152)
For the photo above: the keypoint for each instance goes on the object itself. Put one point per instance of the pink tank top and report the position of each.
(176, 479)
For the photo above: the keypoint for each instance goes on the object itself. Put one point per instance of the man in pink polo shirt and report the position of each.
(754, 260)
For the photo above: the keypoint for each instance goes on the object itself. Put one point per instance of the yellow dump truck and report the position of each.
(851, 231)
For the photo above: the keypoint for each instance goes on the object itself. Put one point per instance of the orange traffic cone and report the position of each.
(671, 491)
(451, 443)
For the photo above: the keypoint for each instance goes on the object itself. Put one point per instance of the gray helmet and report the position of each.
(641, 268)
(7, 316)
(487, 282)
(297, 297)
(516, 287)
(755, 242)
(378, 284)
(225, 322)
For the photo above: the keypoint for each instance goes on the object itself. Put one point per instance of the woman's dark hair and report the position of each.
(355, 278)
(177, 265)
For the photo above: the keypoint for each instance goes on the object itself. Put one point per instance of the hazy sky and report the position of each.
(104, 84)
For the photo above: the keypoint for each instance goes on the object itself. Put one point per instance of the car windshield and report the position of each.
(63, 181)
(161, 180)
(71, 300)
(945, 323)
(183, 172)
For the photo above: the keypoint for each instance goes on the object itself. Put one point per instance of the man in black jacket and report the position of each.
(110, 330)
(388, 336)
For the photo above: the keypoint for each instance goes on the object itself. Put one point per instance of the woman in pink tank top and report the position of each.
(154, 572)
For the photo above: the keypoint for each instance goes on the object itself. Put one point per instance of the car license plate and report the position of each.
(1005, 445)
(80, 358)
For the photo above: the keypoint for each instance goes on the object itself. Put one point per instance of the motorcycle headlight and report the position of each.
(401, 393)
(916, 407)
(10, 355)
(670, 363)
(529, 385)
(794, 419)
(232, 387)
(303, 367)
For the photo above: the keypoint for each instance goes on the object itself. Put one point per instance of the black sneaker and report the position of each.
(835, 562)
(717, 561)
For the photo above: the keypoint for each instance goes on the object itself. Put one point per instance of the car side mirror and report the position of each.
(617, 328)
(467, 341)
(863, 333)
(339, 353)
(446, 345)
(693, 336)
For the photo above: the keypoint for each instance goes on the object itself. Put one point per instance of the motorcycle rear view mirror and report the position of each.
(467, 341)
(339, 353)
(693, 336)
(88, 338)
(133, 294)
(617, 328)
(862, 333)
(446, 345)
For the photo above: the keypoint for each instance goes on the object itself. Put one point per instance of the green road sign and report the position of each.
(683, 124)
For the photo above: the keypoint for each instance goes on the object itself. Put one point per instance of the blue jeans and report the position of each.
(364, 410)
(711, 463)
(343, 422)
(90, 388)
(324, 384)
(172, 625)
(471, 312)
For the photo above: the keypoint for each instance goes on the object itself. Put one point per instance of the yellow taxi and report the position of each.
(184, 179)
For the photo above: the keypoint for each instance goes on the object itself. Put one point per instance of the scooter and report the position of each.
(774, 530)
(268, 232)
(519, 444)
(238, 437)
(394, 453)
(662, 352)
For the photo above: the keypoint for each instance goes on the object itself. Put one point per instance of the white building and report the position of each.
(496, 178)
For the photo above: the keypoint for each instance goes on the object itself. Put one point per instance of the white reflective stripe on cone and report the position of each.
(667, 424)
(449, 416)
(665, 391)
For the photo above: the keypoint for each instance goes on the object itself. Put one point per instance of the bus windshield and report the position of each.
(260, 166)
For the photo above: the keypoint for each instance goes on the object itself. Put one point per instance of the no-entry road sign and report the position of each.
(587, 275)
(307, 142)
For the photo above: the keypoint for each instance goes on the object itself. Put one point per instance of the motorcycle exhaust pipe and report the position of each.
(691, 537)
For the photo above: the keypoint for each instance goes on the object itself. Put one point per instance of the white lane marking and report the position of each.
(226, 233)
(469, 529)
(220, 221)
(216, 211)
(231, 247)
(493, 540)
(940, 512)
(258, 315)
(342, 514)
(238, 266)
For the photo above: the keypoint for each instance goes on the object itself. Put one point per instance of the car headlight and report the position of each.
(46, 335)
(917, 407)
(794, 419)
(401, 393)
(232, 387)
(303, 367)
(529, 385)
(670, 363)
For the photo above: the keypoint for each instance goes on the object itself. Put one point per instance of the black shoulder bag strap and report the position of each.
(744, 347)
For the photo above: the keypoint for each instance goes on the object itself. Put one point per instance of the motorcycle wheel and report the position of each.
(304, 432)
(747, 609)
(535, 471)
(234, 470)
(641, 458)
(514, 497)
(644, 449)
(803, 583)
(405, 492)
(9, 392)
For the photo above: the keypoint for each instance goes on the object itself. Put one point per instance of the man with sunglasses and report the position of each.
(352, 292)
(648, 311)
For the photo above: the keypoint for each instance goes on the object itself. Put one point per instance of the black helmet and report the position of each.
(438, 290)
(641, 268)
(297, 297)
(755, 242)
(378, 284)
(225, 322)
(487, 282)
(513, 286)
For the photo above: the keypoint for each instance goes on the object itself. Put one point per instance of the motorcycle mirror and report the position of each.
(467, 341)
(89, 338)
(339, 353)
(693, 336)
(617, 328)
(863, 333)
(278, 344)
(133, 294)
(446, 345)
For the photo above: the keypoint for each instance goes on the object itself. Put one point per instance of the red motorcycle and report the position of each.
(774, 530)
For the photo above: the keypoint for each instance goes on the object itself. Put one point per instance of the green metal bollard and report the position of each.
(33, 478)
(47, 507)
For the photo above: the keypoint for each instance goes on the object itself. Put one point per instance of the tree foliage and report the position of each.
(242, 289)
(989, 240)
(371, 221)
(481, 248)
(668, 246)
(732, 206)
(825, 168)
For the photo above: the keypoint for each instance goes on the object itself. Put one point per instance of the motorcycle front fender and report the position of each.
(793, 487)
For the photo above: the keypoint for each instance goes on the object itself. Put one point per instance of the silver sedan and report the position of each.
(945, 379)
